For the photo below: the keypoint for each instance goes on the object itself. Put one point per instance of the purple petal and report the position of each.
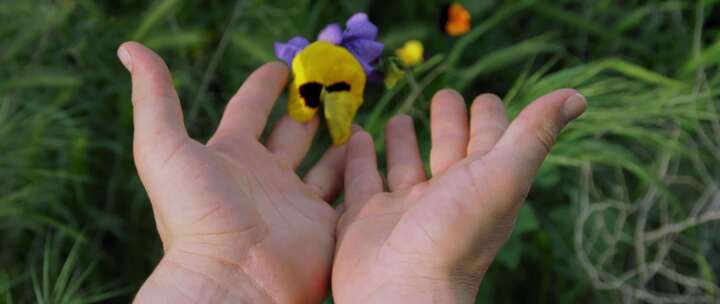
(287, 51)
(331, 33)
(366, 51)
(360, 27)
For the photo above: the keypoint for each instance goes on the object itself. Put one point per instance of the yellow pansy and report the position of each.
(328, 75)
(411, 53)
(331, 72)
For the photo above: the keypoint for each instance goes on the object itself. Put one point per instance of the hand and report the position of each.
(236, 222)
(432, 240)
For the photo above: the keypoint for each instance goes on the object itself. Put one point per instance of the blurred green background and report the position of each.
(623, 211)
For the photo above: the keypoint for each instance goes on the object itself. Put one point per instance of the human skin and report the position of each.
(237, 224)
(431, 240)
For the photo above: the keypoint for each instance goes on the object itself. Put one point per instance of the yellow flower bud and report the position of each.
(411, 53)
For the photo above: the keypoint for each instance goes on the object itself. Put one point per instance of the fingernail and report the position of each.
(491, 96)
(125, 58)
(574, 106)
(455, 93)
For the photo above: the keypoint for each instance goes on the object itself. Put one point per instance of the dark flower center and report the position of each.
(311, 92)
(339, 86)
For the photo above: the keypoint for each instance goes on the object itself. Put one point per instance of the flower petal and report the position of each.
(296, 106)
(366, 51)
(331, 33)
(340, 109)
(360, 27)
(287, 51)
(411, 53)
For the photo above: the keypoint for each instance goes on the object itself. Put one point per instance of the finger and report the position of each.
(512, 164)
(290, 140)
(157, 115)
(326, 177)
(247, 111)
(405, 167)
(449, 130)
(488, 122)
(362, 179)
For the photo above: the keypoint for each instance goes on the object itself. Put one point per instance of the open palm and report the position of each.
(236, 222)
(432, 240)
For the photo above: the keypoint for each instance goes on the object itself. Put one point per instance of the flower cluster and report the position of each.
(332, 71)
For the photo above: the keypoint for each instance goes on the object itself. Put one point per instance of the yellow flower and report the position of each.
(328, 75)
(411, 53)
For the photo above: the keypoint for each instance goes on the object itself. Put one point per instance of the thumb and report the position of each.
(510, 167)
(157, 116)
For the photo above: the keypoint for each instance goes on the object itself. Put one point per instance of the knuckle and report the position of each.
(502, 189)
(481, 144)
(543, 131)
(161, 88)
(228, 137)
(284, 160)
(437, 166)
(357, 165)
(316, 188)
(362, 181)
(479, 147)
(546, 137)
(446, 133)
(401, 178)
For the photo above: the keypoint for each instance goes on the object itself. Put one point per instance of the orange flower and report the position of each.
(455, 19)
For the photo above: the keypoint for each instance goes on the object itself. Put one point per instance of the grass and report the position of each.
(77, 227)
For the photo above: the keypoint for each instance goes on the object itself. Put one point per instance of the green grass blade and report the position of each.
(43, 79)
(46, 272)
(257, 53)
(37, 289)
(504, 58)
(181, 40)
(709, 56)
(64, 277)
(572, 19)
(154, 16)
(640, 73)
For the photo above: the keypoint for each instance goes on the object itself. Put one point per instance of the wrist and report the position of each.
(433, 282)
(187, 278)
(428, 290)
(414, 286)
